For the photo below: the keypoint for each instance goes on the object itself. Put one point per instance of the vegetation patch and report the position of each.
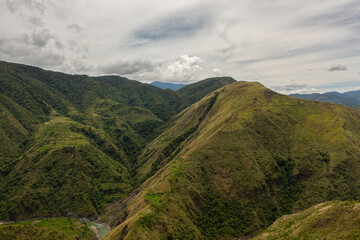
(153, 198)
(52, 228)
(330, 220)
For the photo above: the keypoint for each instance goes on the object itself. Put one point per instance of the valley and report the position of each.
(216, 159)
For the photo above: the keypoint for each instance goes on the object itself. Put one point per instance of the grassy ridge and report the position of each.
(330, 220)
(252, 156)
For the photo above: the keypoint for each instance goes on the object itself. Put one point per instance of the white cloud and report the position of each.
(184, 70)
(270, 41)
(293, 88)
(217, 72)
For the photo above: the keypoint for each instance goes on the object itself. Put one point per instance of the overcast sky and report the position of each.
(290, 46)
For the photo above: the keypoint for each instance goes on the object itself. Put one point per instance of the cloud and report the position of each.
(32, 49)
(30, 11)
(217, 72)
(294, 88)
(30, 55)
(41, 38)
(128, 67)
(272, 42)
(76, 48)
(185, 69)
(181, 24)
(186, 64)
(290, 87)
(75, 27)
(36, 21)
(346, 15)
(337, 67)
(32, 5)
(79, 66)
(11, 6)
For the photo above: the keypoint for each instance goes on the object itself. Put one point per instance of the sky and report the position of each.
(289, 46)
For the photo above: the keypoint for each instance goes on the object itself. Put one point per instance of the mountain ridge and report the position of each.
(100, 123)
(168, 85)
(350, 99)
(252, 156)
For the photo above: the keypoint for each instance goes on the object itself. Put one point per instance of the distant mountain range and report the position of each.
(167, 85)
(350, 99)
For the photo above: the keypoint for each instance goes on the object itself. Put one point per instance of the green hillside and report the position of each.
(47, 229)
(237, 160)
(64, 171)
(70, 143)
(330, 220)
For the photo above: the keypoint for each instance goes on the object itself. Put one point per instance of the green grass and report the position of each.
(153, 198)
(103, 230)
(52, 228)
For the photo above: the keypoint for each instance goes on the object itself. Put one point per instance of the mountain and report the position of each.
(217, 159)
(330, 220)
(70, 142)
(237, 160)
(349, 99)
(194, 92)
(355, 94)
(167, 85)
